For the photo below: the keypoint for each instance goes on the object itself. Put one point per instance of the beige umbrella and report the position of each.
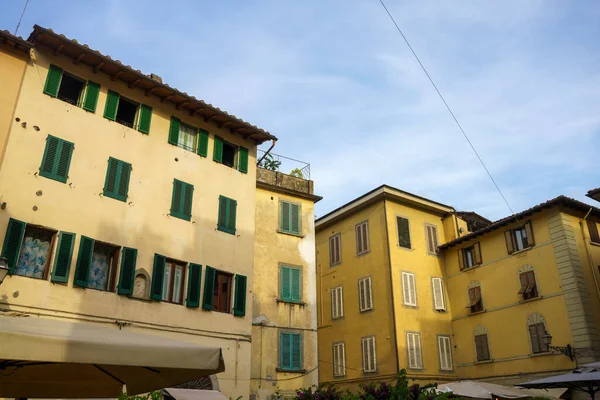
(48, 358)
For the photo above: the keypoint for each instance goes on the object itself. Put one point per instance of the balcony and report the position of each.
(297, 179)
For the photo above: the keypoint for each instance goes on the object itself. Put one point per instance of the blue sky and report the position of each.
(337, 85)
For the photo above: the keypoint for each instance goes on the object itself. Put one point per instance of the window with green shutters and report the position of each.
(64, 254)
(188, 137)
(209, 287)
(193, 290)
(403, 232)
(71, 89)
(290, 351)
(229, 154)
(290, 284)
(127, 275)
(239, 303)
(243, 162)
(181, 201)
(84, 261)
(289, 217)
(12, 243)
(56, 159)
(145, 118)
(158, 274)
(116, 184)
(127, 112)
(227, 215)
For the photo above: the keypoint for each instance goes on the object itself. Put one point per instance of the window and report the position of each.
(127, 276)
(222, 292)
(362, 238)
(290, 351)
(181, 200)
(116, 184)
(289, 217)
(337, 303)
(56, 159)
(96, 265)
(339, 359)
(227, 154)
(413, 346)
(70, 89)
(409, 289)
(469, 257)
(365, 295)
(290, 284)
(125, 112)
(335, 250)
(475, 302)
(445, 353)
(187, 137)
(520, 238)
(437, 288)
(528, 285)
(369, 354)
(403, 232)
(218, 290)
(35, 253)
(431, 239)
(593, 230)
(173, 279)
(227, 215)
(482, 348)
(536, 333)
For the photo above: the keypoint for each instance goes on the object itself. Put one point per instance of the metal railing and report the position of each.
(286, 165)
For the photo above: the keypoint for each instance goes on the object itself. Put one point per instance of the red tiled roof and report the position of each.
(18, 42)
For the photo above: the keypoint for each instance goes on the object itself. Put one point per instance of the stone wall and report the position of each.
(285, 181)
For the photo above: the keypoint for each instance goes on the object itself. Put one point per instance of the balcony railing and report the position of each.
(286, 165)
(296, 176)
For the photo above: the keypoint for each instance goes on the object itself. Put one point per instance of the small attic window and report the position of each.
(229, 152)
(70, 89)
(126, 112)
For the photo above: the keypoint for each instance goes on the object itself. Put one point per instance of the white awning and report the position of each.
(46, 358)
(192, 394)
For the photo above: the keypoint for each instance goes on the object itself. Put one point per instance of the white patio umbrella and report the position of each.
(584, 379)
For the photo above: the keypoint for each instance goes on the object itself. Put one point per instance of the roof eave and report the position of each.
(6, 38)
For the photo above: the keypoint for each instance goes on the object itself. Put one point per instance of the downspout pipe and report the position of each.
(267, 152)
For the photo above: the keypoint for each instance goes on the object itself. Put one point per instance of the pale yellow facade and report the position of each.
(142, 222)
(273, 315)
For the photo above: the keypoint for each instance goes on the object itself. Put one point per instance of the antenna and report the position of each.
(20, 19)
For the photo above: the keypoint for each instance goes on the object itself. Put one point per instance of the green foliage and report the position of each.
(397, 390)
(148, 396)
(297, 173)
(270, 163)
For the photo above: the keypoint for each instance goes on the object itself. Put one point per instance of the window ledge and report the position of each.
(410, 306)
(225, 230)
(525, 250)
(366, 311)
(594, 243)
(300, 303)
(532, 299)
(291, 371)
(363, 253)
(471, 268)
(478, 312)
(335, 265)
(545, 353)
(484, 362)
(290, 233)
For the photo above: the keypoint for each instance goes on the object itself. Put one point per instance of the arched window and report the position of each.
(475, 301)
(529, 287)
(536, 326)
(482, 347)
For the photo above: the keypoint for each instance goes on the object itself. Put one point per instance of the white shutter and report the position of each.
(333, 303)
(363, 344)
(359, 248)
(409, 289)
(369, 354)
(361, 295)
(368, 294)
(413, 344)
(439, 303)
(334, 250)
(431, 239)
(339, 359)
(365, 299)
(340, 302)
(445, 353)
(337, 303)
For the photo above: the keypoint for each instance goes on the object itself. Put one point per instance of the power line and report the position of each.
(447, 106)
(20, 19)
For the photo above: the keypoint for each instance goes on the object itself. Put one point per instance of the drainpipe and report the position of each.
(587, 251)
(268, 151)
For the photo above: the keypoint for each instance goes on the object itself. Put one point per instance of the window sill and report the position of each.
(335, 265)
(594, 243)
(119, 199)
(531, 300)
(290, 233)
(471, 268)
(300, 303)
(484, 362)
(523, 251)
(363, 253)
(225, 230)
(545, 353)
(182, 217)
(410, 306)
(478, 312)
(291, 371)
(405, 248)
(366, 311)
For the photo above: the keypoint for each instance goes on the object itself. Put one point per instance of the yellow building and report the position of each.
(404, 283)
(125, 202)
(284, 309)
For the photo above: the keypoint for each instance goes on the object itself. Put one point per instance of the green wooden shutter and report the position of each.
(188, 196)
(53, 80)
(296, 356)
(209, 287)
(123, 187)
(64, 161)
(285, 346)
(12, 243)
(116, 184)
(174, 131)
(295, 218)
(64, 254)
(91, 96)
(203, 143)
(285, 279)
(218, 150)
(243, 164)
(193, 290)
(222, 216)
(145, 118)
(84, 261)
(285, 216)
(158, 275)
(127, 276)
(112, 104)
(176, 198)
(296, 284)
(47, 167)
(239, 302)
(110, 182)
(231, 217)
(403, 232)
